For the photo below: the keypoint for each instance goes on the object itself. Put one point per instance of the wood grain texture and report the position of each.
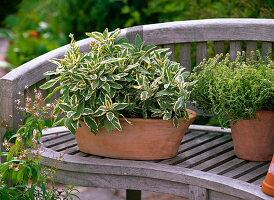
(201, 52)
(235, 47)
(219, 47)
(266, 48)
(141, 175)
(209, 30)
(251, 46)
(197, 193)
(185, 56)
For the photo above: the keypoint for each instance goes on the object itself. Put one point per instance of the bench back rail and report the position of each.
(185, 38)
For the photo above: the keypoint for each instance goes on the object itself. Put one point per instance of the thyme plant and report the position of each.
(116, 79)
(236, 89)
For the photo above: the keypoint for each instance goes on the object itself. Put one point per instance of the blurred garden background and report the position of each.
(29, 28)
(34, 27)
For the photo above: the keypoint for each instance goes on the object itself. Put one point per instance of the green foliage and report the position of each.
(21, 175)
(238, 89)
(117, 79)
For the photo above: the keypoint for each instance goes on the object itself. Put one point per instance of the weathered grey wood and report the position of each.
(190, 153)
(200, 52)
(140, 175)
(197, 193)
(185, 56)
(266, 48)
(251, 46)
(132, 32)
(133, 195)
(227, 166)
(209, 30)
(238, 172)
(219, 47)
(253, 174)
(208, 158)
(209, 128)
(235, 47)
(172, 50)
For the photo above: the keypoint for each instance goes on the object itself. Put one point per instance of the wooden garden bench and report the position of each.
(205, 168)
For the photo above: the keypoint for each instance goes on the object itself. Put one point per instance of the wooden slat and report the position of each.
(185, 56)
(235, 46)
(228, 166)
(54, 136)
(197, 150)
(219, 47)
(57, 141)
(251, 175)
(251, 46)
(201, 53)
(172, 50)
(202, 139)
(266, 48)
(237, 172)
(215, 162)
(208, 158)
(197, 193)
(64, 146)
(209, 30)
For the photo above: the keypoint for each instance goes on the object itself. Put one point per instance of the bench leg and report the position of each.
(133, 194)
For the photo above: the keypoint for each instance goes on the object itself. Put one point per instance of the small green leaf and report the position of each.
(114, 121)
(99, 112)
(70, 113)
(175, 121)
(91, 123)
(138, 42)
(87, 111)
(164, 93)
(144, 95)
(79, 110)
(167, 115)
(179, 103)
(115, 85)
(119, 106)
(65, 107)
(106, 87)
(110, 116)
(69, 126)
(49, 83)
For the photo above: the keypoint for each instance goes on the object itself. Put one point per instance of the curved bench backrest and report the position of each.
(220, 32)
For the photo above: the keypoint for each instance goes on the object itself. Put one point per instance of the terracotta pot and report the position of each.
(147, 139)
(254, 139)
(268, 183)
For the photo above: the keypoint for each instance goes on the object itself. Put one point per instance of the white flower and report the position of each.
(43, 25)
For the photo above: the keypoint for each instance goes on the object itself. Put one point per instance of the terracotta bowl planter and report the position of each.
(254, 139)
(147, 139)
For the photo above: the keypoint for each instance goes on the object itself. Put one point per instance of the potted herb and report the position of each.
(132, 91)
(241, 94)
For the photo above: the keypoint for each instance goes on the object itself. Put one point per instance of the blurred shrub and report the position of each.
(42, 25)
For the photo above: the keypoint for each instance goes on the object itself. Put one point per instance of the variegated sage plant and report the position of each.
(115, 80)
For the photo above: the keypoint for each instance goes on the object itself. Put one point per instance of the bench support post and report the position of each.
(197, 193)
(133, 194)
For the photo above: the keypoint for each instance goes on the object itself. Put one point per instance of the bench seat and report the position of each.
(205, 164)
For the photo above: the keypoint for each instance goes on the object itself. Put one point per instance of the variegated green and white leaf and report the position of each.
(91, 123)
